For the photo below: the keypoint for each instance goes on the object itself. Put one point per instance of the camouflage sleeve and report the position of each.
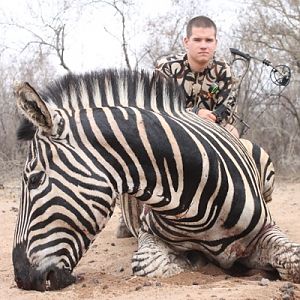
(225, 98)
(163, 67)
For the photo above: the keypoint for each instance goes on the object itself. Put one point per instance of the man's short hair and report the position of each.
(200, 21)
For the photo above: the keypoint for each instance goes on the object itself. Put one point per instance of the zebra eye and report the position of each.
(34, 180)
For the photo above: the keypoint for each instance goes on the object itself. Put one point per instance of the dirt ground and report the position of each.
(106, 270)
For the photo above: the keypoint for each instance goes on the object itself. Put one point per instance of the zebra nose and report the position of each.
(30, 279)
(27, 277)
(57, 279)
(52, 279)
(24, 274)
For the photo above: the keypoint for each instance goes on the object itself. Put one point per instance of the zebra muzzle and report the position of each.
(28, 277)
(54, 279)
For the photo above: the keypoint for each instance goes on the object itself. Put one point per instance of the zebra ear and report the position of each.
(33, 107)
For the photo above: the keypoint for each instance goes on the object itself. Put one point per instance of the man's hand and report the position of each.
(207, 114)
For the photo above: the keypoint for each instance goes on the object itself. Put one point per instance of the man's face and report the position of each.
(201, 45)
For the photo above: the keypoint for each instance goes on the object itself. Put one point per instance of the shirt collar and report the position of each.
(209, 65)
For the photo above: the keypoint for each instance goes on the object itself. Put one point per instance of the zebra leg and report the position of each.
(273, 249)
(122, 229)
(154, 258)
(264, 166)
(129, 222)
(267, 174)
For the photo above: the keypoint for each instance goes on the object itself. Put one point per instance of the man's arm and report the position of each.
(225, 99)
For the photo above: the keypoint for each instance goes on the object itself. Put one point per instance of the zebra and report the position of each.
(265, 168)
(101, 136)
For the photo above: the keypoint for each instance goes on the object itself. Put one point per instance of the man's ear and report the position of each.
(185, 42)
(36, 110)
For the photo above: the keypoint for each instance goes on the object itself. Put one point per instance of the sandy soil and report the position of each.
(106, 267)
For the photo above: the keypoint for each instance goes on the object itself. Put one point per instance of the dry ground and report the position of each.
(106, 267)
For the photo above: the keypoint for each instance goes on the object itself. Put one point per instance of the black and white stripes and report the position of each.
(126, 135)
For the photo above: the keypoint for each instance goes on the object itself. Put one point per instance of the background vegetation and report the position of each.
(267, 29)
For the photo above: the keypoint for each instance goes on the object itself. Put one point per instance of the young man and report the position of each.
(206, 82)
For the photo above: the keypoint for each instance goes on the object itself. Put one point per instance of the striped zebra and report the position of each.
(264, 166)
(106, 135)
(129, 224)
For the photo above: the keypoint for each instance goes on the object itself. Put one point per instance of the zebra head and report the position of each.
(64, 201)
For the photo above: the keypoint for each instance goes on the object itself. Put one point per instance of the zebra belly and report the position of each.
(221, 245)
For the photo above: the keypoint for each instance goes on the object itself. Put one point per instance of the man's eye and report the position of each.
(35, 180)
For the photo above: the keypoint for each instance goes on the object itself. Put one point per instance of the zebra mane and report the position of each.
(108, 88)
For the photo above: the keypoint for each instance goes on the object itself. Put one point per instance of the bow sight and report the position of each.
(279, 75)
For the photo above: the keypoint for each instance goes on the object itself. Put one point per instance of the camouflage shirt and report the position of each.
(196, 84)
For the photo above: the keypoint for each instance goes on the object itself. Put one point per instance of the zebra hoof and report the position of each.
(162, 272)
(161, 267)
(289, 269)
(123, 232)
(154, 258)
